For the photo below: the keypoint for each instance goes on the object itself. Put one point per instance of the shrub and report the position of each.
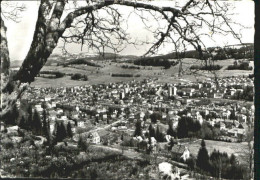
(81, 61)
(251, 76)
(241, 66)
(208, 67)
(129, 67)
(122, 75)
(152, 61)
(76, 76)
(8, 144)
(246, 94)
(228, 167)
(191, 162)
(79, 76)
(51, 74)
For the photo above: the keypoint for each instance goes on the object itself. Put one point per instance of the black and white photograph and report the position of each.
(128, 89)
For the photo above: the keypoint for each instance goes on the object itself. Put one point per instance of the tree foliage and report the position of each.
(36, 123)
(151, 131)
(170, 130)
(240, 66)
(223, 166)
(206, 67)
(138, 128)
(247, 94)
(159, 136)
(69, 131)
(22, 123)
(187, 127)
(155, 116)
(82, 145)
(153, 62)
(79, 76)
(61, 132)
(203, 157)
(45, 126)
(11, 117)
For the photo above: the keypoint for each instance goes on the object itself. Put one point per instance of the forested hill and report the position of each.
(238, 51)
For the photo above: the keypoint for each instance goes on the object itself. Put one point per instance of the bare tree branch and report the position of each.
(85, 25)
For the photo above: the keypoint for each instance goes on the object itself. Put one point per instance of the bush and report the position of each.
(247, 94)
(220, 53)
(8, 144)
(51, 74)
(228, 166)
(79, 76)
(241, 66)
(208, 67)
(129, 67)
(81, 61)
(151, 61)
(191, 162)
(76, 76)
(187, 127)
(122, 75)
(251, 76)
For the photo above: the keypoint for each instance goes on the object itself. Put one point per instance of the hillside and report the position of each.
(16, 63)
(60, 60)
(238, 51)
(103, 74)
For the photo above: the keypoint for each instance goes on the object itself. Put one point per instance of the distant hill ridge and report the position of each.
(59, 59)
(237, 51)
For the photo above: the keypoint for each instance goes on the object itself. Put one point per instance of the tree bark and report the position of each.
(5, 63)
(45, 39)
(47, 33)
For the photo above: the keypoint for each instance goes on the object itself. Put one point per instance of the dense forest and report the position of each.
(81, 61)
(221, 53)
(151, 61)
(216, 53)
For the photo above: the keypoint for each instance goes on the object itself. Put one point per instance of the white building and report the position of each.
(94, 137)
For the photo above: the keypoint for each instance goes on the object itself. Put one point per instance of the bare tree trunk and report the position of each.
(4, 55)
(46, 36)
(49, 29)
(5, 63)
(45, 39)
(12, 88)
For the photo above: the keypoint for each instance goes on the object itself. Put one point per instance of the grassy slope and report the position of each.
(103, 74)
(238, 149)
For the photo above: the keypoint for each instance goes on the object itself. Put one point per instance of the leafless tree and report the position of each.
(85, 23)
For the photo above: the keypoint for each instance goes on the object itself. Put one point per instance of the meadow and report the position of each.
(238, 149)
(99, 75)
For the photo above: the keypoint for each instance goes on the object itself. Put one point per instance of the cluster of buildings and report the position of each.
(115, 107)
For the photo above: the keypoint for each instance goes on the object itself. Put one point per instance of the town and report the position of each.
(162, 119)
(129, 89)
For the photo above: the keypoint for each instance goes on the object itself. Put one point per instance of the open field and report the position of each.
(238, 149)
(67, 82)
(103, 74)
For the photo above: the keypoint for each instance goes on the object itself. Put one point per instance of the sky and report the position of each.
(20, 34)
